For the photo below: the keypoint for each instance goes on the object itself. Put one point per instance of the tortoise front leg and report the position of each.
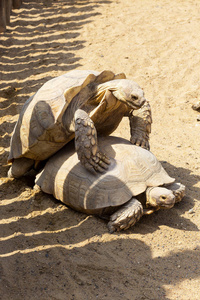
(126, 216)
(140, 125)
(178, 190)
(86, 143)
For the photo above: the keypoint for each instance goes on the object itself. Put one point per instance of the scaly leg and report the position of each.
(178, 190)
(140, 124)
(126, 216)
(86, 144)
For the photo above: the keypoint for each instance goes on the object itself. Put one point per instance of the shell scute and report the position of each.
(40, 120)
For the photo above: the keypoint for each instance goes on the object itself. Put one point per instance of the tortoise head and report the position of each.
(159, 197)
(129, 92)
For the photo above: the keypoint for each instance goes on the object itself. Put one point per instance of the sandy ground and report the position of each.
(51, 252)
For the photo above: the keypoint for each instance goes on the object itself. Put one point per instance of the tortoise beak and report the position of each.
(167, 203)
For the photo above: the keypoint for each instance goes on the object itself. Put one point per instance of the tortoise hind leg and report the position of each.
(20, 166)
(126, 216)
(86, 143)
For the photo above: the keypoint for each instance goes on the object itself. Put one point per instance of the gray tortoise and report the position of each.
(78, 104)
(134, 184)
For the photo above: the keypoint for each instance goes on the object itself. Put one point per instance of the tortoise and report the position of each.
(78, 104)
(134, 184)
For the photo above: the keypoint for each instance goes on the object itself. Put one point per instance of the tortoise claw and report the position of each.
(140, 142)
(97, 163)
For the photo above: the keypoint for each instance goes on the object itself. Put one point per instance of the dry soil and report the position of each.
(49, 251)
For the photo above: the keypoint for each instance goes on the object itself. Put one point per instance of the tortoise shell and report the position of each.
(131, 171)
(39, 132)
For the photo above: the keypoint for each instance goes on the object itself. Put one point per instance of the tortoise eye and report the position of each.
(134, 97)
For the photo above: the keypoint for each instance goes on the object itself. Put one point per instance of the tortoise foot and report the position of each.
(97, 163)
(139, 141)
(126, 216)
(86, 144)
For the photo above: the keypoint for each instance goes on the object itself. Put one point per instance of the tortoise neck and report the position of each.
(79, 102)
(148, 196)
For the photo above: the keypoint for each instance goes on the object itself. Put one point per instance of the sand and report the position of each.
(49, 251)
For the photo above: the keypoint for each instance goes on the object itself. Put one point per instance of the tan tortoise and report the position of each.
(134, 184)
(78, 104)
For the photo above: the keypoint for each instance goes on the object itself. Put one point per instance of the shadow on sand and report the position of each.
(43, 37)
